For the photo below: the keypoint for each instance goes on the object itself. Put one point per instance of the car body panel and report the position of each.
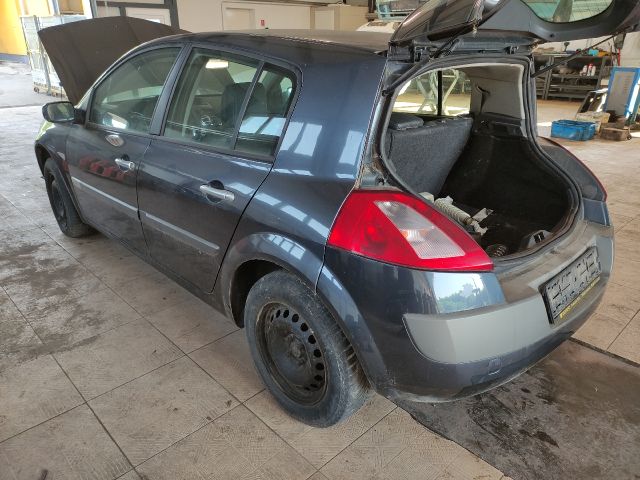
(409, 349)
(107, 195)
(185, 231)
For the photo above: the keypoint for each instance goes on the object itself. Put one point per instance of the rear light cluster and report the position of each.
(400, 229)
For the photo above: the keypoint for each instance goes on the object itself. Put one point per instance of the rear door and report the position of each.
(222, 127)
(104, 154)
(530, 20)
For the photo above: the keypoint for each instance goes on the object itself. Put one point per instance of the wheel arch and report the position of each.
(42, 154)
(256, 255)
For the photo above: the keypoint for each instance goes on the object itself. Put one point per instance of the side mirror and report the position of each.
(59, 112)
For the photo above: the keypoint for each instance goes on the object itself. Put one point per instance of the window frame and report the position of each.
(165, 101)
(90, 102)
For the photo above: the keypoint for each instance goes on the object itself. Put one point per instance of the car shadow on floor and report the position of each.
(574, 415)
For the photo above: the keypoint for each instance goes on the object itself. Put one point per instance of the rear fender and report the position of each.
(271, 247)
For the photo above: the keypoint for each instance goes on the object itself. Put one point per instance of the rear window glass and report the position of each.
(562, 11)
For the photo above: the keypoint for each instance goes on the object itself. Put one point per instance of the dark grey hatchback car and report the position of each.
(377, 213)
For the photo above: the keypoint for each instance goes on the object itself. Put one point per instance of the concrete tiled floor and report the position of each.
(106, 365)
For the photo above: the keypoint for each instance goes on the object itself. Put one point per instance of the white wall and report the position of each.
(199, 16)
(631, 51)
(275, 15)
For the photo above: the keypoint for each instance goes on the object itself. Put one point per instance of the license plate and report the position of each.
(570, 286)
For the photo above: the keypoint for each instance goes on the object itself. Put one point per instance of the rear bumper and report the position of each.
(420, 338)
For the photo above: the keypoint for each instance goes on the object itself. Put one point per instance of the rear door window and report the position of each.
(266, 113)
(127, 97)
(209, 97)
(230, 102)
(564, 11)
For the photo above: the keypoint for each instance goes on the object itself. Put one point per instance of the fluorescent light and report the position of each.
(216, 63)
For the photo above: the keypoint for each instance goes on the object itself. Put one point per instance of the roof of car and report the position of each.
(373, 42)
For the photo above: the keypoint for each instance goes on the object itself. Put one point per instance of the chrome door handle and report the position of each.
(125, 165)
(219, 193)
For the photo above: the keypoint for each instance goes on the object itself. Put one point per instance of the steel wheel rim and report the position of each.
(291, 353)
(57, 203)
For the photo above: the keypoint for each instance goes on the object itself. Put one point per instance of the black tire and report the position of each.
(301, 353)
(62, 206)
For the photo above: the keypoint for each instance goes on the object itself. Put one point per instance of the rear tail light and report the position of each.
(400, 229)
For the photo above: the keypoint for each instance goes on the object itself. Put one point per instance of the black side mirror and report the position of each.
(59, 112)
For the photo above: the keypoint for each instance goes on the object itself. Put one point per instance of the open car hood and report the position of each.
(81, 51)
(528, 21)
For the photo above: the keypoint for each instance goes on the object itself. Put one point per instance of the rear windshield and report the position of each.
(562, 11)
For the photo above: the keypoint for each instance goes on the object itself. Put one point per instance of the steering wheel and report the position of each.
(207, 123)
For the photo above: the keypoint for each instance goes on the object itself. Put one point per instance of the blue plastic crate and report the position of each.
(573, 130)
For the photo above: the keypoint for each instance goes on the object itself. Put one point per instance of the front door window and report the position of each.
(127, 98)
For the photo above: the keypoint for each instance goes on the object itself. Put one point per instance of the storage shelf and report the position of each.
(570, 85)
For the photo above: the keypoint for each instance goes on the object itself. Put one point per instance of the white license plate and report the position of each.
(570, 286)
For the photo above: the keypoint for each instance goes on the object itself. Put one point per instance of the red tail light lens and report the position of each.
(401, 229)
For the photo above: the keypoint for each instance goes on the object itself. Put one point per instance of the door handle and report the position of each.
(217, 193)
(125, 165)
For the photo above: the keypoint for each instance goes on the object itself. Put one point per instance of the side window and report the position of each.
(420, 94)
(266, 112)
(209, 97)
(127, 97)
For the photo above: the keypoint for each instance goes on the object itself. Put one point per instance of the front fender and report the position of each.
(51, 142)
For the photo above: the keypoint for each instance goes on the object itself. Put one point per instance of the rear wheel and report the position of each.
(300, 352)
(62, 206)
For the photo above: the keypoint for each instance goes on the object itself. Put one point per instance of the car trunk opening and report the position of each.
(457, 137)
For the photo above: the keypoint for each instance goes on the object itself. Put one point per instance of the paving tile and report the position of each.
(103, 362)
(620, 303)
(318, 476)
(192, 324)
(626, 273)
(601, 330)
(18, 341)
(467, 466)
(229, 361)
(377, 447)
(155, 411)
(152, 293)
(43, 276)
(266, 408)
(32, 393)
(236, 445)
(132, 475)
(627, 345)
(70, 446)
(118, 268)
(81, 318)
(626, 250)
(619, 221)
(319, 445)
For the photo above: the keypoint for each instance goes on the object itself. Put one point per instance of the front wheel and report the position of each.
(63, 208)
(301, 353)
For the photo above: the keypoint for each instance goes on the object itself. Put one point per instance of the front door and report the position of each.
(104, 155)
(222, 128)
